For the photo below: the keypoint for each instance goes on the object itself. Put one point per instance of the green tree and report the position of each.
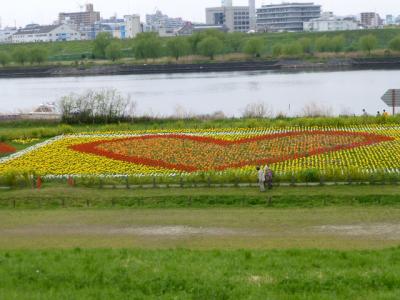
(147, 45)
(337, 43)
(368, 43)
(234, 41)
(277, 50)
(210, 46)
(197, 37)
(21, 55)
(114, 51)
(254, 46)
(178, 47)
(322, 44)
(38, 55)
(306, 45)
(293, 49)
(4, 58)
(101, 43)
(394, 44)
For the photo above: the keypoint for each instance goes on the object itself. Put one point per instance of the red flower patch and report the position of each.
(195, 153)
(6, 149)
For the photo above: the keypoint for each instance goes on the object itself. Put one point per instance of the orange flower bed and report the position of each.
(198, 153)
(6, 149)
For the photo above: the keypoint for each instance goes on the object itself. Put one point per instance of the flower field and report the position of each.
(330, 150)
(6, 149)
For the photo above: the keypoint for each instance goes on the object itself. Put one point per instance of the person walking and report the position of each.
(261, 179)
(268, 177)
(385, 113)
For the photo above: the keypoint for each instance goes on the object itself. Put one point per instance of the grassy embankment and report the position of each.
(63, 53)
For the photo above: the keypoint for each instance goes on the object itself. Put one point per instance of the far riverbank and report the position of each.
(259, 65)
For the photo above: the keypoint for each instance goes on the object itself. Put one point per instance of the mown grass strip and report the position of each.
(186, 274)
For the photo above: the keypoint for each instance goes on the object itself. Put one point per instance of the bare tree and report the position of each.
(314, 110)
(257, 110)
(102, 106)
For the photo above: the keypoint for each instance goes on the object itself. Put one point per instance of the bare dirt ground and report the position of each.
(251, 228)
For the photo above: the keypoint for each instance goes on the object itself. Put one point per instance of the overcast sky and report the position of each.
(22, 12)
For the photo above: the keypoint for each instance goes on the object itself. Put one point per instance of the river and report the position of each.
(345, 92)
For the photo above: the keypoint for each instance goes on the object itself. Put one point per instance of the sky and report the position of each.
(22, 12)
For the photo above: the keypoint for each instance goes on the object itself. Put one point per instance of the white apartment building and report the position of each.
(6, 35)
(34, 33)
(132, 26)
(329, 22)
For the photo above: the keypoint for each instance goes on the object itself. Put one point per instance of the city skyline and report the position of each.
(46, 11)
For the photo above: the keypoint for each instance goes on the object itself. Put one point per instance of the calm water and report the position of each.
(342, 92)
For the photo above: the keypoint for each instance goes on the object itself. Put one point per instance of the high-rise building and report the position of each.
(286, 16)
(235, 18)
(80, 19)
(370, 20)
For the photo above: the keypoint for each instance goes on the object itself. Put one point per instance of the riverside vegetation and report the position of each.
(206, 46)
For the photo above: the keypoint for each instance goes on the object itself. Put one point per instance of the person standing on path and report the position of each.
(268, 177)
(261, 179)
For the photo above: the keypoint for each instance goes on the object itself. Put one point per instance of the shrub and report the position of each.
(178, 47)
(4, 58)
(277, 50)
(101, 43)
(38, 55)
(293, 49)
(306, 45)
(254, 46)
(368, 43)
(337, 43)
(114, 51)
(21, 55)
(394, 44)
(322, 44)
(210, 46)
(147, 45)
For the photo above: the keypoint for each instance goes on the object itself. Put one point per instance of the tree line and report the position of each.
(23, 55)
(207, 44)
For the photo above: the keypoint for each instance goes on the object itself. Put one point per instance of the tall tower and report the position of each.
(253, 15)
(225, 3)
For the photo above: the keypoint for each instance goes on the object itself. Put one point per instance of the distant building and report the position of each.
(132, 26)
(390, 20)
(34, 33)
(370, 20)
(80, 19)
(329, 22)
(6, 35)
(163, 24)
(118, 28)
(190, 28)
(235, 18)
(286, 16)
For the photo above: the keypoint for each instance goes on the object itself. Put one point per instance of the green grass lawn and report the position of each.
(187, 274)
